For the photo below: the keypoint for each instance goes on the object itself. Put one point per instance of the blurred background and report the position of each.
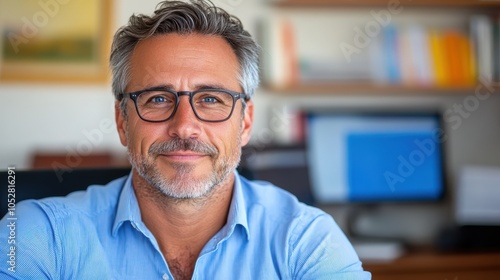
(390, 69)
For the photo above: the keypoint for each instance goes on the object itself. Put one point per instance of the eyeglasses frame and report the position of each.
(135, 95)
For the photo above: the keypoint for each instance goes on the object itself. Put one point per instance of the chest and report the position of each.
(147, 263)
(133, 255)
(182, 264)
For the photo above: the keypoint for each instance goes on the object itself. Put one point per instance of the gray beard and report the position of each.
(182, 185)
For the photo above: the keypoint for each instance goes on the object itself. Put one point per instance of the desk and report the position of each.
(436, 266)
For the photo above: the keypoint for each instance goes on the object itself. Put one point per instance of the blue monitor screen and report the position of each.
(374, 157)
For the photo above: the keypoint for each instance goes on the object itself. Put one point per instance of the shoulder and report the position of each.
(277, 202)
(43, 228)
(313, 245)
(280, 213)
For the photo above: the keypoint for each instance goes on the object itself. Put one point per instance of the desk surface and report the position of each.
(443, 266)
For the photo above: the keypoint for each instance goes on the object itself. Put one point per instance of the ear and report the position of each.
(247, 123)
(121, 124)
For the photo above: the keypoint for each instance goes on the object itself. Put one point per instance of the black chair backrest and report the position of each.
(46, 183)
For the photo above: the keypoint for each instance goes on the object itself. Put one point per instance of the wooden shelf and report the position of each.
(379, 3)
(371, 89)
(366, 87)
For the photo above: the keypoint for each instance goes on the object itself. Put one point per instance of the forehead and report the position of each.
(176, 57)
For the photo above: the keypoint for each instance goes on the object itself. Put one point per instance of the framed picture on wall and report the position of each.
(55, 40)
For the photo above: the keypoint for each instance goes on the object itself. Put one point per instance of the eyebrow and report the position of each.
(197, 87)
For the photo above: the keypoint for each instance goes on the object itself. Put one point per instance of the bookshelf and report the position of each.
(373, 89)
(469, 58)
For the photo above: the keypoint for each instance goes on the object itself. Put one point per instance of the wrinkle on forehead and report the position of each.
(175, 56)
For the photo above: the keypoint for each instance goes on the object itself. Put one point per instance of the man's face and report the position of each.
(184, 157)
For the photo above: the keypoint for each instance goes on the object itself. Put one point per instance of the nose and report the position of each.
(184, 124)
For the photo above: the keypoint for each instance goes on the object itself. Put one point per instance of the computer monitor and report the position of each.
(375, 157)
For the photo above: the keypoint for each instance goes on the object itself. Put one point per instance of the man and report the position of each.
(183, 80)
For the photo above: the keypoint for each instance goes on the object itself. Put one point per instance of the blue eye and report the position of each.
(209, 99)
(158, 99)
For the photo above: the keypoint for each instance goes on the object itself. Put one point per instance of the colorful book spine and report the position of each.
(392, 54)
(436, 43)
(482, 35)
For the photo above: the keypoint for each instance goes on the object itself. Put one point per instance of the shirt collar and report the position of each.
(128, 208)
(238, 209)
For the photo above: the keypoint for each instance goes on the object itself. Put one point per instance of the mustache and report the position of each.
(178, 144)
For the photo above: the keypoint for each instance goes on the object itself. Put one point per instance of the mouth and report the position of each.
(182, 151)
(183, 156)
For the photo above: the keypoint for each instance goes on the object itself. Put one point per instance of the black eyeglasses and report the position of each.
(159, 104)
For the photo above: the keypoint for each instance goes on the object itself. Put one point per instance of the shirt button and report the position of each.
(165, 277)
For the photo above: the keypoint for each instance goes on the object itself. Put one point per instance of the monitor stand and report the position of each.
(373, 249)
(376, 250)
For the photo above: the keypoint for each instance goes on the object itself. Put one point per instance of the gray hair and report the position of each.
(197, 16)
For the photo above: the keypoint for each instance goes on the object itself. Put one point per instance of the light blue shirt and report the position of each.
(99, 234)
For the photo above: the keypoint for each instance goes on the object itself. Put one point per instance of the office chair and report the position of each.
(46, 183)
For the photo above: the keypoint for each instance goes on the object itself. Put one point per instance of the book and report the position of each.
(420, 55)
(439, 61)
(481, 29)
(454, 63)
(406, 57)
(391, 48)
(279, 58)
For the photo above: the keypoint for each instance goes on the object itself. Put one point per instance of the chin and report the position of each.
(184, 180)
(184, 184)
